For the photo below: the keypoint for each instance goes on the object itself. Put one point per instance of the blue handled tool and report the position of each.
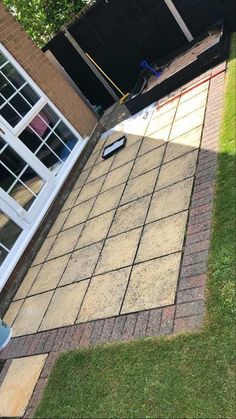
(144, 64)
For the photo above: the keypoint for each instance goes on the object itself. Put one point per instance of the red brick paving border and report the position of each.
(188, 312)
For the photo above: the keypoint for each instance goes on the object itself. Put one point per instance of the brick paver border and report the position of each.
(187, 314)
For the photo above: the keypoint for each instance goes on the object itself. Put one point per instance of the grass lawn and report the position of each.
(185, 376)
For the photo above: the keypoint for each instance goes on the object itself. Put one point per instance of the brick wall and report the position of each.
(43, 72)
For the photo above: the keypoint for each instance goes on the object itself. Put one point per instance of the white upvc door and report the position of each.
(38, 148)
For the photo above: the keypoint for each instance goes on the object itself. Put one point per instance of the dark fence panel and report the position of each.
(119, 34)
(80, 73)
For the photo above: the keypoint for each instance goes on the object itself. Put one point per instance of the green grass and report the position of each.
(186, 376)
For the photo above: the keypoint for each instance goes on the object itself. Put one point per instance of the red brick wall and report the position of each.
(43, 72)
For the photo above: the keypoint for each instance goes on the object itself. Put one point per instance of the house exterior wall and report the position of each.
(44, 73)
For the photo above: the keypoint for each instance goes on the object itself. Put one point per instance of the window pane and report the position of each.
(56, 145)
(5, 88)
(29, 94)
(12, 161)
(3, 254)
(66, 135)
(30, 139)
(10, 115)
(20, 105)
(32, 180)
(22, 195)
(13, 75)
(49, 159)
(6, 178)
(9, 231)
(2, 59)
(49, 116)
(40, 126)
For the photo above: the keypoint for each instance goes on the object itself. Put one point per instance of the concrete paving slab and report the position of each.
(183, 144)
(44, 250)
(105, 295)
(90, 190)
(187, 123)
(81, 264)
(162, 237)
(31, 314)
(79, 213)
(50, 275)
(12, 312)
(18, 385)
(27, 282)
(117, 176)
(69, 298)
(177, 170)
(148, 162)
(65, 242)
(125, 155)
(58, 224)
(158, 288)
(107, 201)
(139, 186)
(130, 216)
(119, 251)
(95, 229)
(170, 200)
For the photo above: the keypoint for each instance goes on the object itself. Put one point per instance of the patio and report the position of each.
(116, 247)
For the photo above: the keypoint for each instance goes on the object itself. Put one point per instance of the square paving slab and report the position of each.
(107, 201)
(116, 246)
(18, 385)
(105, 295)
(119, 251)
(79, 214)
(50, 275)
(130, 216)
(171, 200)
(81, 264)
(64, 306)
(162, 237)
(148, 161)
(65, 242)
(159, 287)
(95, 229)
(31, 314)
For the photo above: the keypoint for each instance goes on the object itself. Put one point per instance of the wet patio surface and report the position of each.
(117, 244)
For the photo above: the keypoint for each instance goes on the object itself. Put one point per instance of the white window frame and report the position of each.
(29, 229)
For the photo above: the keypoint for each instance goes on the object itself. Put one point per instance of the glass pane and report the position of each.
(2, 59)
(12, 161)
(30, 139)
(49, 116)
(6, 178)
(32, 180)
(15, 184)
(22, 195)
(10, 115)
(3, 254)
(9, 231)
(40, 126)
(2, 144)
(29, 94)
(58, 147)
(49, 159)
(66, 135)
(2, 100)
(15, 78)
(5, 88)
(20, 105)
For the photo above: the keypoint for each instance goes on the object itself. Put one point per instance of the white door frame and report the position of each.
(30, 221)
